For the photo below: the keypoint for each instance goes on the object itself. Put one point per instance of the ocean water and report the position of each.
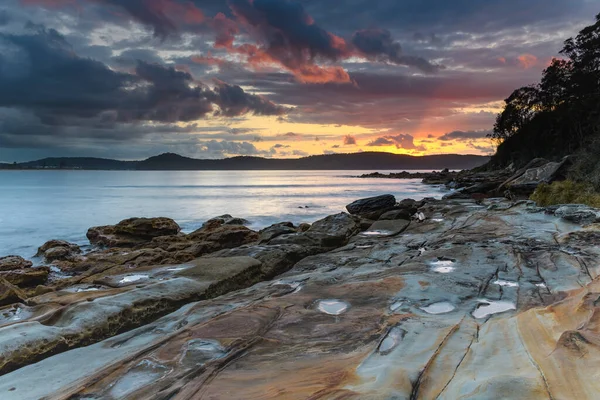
(36, 206)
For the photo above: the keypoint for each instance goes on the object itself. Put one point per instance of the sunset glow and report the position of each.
(271, 78)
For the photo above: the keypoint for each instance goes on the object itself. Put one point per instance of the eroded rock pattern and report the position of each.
(475, 302)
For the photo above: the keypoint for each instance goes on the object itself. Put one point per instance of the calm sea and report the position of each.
(36, 206)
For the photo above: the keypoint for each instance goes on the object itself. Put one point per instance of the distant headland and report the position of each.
(354, 161)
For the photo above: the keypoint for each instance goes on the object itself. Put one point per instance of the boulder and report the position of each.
(132, 232)
(27, 277)
(525, 182)
(332, 231)
(58, 250)
(224, 236)
(372, 204)
(10, 263)
(275, 230)
(225, 219)
(578, 213)
(9, 293)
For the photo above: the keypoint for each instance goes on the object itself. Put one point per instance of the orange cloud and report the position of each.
(527, 60)
(502, 60)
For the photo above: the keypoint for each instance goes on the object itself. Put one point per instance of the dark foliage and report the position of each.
(558, 116)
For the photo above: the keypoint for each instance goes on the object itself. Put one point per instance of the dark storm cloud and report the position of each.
(378, 44)
(42, 73)
(286, 28)
(464, 135)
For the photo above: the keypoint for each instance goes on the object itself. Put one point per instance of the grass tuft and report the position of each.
(566, 192)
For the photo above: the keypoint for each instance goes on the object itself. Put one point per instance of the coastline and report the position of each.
(363, 282)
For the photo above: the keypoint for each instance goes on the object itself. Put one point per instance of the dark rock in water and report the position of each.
(10, 294)
(372, 204)
(131, 232)
(10, 263)
(27, 277)
(58, 250)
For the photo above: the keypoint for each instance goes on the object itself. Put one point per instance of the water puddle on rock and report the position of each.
(133, 278)
(332, 306)
(437, 219)
(391, 340)
(175, 269)
(143, 373)
(502, 282)
(84, 288)
(377, 233)
(443, 266)
(200, 351)
(489, 307)
(442, 307)
(541, 285)
(364, 246)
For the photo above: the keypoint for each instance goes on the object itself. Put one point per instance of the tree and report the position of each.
(520, 107)
(555, 87)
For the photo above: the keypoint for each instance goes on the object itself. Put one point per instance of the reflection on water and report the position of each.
(41, 205)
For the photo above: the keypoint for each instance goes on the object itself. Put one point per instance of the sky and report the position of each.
(129, 79)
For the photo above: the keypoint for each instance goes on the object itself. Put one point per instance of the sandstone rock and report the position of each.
(131, 232)
(372, 204)
(9, 263)
(58, 250)
(468, 304)
(10, 294)
(26, 277)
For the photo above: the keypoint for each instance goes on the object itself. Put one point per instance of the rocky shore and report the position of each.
(510, 182)
(456, 298)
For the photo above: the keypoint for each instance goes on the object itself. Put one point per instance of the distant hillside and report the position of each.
(358, 161)
(75, 163)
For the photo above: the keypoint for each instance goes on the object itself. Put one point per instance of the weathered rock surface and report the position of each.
(473, 302)
(132, 232)
(9, 263)
(9, 293)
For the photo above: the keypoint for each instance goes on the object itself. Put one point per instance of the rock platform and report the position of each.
(473, 301)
